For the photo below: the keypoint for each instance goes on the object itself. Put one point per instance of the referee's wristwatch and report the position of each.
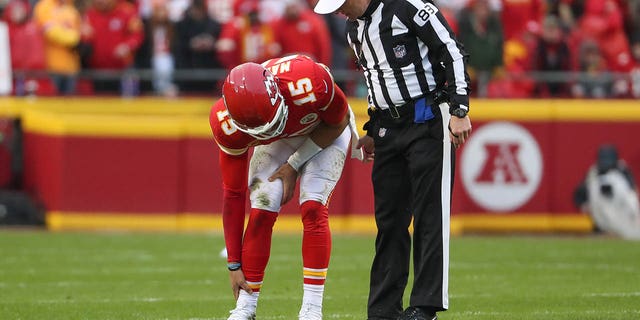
(459, 111)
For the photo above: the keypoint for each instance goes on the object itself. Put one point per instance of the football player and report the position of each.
(298, 122)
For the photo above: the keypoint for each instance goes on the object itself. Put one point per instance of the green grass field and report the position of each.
(180, 276)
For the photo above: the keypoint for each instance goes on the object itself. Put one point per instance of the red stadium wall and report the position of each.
(151, 164)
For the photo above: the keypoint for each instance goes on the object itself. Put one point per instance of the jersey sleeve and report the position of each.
(234, 160)
(230, 140)
(234, 185)
(433, 29)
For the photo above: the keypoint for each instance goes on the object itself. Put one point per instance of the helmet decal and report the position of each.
(254, 101)
(272, 87)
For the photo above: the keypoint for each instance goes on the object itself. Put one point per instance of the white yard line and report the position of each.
(613, 294)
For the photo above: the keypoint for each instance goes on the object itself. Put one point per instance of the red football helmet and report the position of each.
(254, 102)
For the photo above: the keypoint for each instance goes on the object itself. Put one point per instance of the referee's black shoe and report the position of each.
(417, 313)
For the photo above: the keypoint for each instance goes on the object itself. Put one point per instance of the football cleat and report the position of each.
(415, 313)
(310, 311)
(244, 312)
(245, 308)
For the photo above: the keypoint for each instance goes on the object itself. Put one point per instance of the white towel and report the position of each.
(355, 152)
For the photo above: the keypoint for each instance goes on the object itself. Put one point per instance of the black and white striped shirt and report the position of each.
(407, 50)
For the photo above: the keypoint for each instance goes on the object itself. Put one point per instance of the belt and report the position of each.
(395, 116)
(414, 111)
(396, 112)
(417, 111)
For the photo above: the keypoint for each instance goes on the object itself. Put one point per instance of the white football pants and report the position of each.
(318, 177)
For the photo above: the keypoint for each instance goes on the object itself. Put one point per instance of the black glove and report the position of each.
(368, 126)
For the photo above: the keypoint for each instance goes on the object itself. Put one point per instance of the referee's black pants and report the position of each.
(412, 178)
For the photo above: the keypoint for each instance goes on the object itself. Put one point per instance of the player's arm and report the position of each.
(234, 177)
(333, 110)
(335, 119)
(234, 185)
(233, 161)
(329, 129)
(432, 28)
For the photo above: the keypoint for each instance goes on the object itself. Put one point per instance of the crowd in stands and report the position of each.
(518, 48)
(553, 48)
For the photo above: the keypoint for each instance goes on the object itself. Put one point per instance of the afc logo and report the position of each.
(501, 166)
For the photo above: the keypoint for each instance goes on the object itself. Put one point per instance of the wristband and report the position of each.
(306, 151)
(234, 266)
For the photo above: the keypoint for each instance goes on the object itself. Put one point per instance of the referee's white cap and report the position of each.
(328, 6)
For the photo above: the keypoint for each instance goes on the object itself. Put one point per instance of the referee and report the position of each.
(418, 89)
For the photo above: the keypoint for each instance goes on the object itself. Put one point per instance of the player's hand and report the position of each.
(459, 130)
(238, 283)
(368, 148)
(288, 175)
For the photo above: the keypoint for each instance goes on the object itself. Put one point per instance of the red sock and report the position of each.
(316, 242)
(256, 246)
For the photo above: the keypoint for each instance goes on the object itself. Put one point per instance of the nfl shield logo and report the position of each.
(400, 51)
(382, 132)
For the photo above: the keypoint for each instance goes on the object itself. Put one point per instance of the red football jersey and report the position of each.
(311, 97)
(309, 93)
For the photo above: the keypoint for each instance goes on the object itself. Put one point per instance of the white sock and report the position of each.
(245, 299)
(313, 294)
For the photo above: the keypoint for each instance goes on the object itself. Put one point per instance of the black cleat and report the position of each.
(416, 313)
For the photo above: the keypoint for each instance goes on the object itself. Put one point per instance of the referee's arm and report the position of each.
(449, 60)
(435, 32)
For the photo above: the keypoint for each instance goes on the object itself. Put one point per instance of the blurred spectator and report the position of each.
(594, 82)
(155, 51)
(518, 56)
(194, 45)
(175, 8)
(342, 57)
(450, 15)
(552, 54)
(271, 10)
(603, 21)
(517, 13)
(114, 32)
(268, 10)
(246, 38)
(454, 6)
(567, 11)
(298, 23)
(634, 83)
(632, 25)
(633, 33)
(450, 9)
(481, 34)
(60, 22)
(26, 50)
(609, 195)
(220, 11)
(26, 42)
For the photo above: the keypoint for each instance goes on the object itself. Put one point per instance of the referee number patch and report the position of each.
(423, 15)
